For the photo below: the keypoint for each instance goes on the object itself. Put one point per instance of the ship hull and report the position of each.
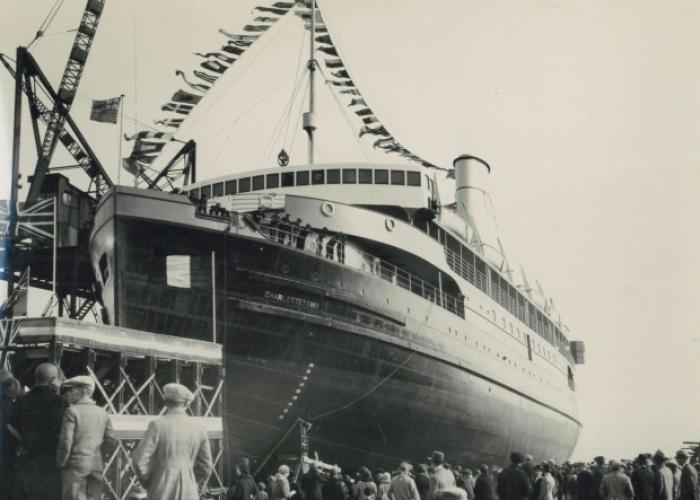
(308, 338)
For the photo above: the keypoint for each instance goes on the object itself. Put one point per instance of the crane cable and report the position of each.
(47, 21)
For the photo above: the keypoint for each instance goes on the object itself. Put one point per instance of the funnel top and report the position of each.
(470, 157)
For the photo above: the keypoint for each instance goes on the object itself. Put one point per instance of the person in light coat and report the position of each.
(548, 485)
(174, 453)
(85, 434)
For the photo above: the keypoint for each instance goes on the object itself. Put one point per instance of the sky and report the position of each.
(587, 112)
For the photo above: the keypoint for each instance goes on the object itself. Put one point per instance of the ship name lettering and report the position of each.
(297, 301)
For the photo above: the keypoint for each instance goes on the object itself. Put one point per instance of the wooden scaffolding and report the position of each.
(129, 367)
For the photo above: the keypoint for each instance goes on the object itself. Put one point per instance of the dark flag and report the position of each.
(106, 110)
(185, 97)
(333, 63)
(147, 134)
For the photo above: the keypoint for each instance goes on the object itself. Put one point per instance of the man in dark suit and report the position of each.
(36, 420)
(689, 478)
(643, 479)
(513, 483)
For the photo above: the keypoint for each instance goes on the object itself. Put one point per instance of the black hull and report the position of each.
(300, 341)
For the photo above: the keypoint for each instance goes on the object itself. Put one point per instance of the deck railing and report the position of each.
(330, 247)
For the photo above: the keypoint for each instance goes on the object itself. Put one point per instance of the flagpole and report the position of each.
(121, 130)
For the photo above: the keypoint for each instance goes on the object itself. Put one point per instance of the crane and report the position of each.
(62, 102)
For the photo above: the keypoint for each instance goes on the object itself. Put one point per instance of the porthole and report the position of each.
(390, 224)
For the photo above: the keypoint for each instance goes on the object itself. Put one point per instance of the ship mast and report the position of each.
(309, 117)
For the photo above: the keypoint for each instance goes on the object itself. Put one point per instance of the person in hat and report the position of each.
(689, 478)
(598, 471)
(441, 478)
(663, 478)
(36, 419)
(174, 453)
(513, 483)
(616, 485)
(483, 486)
(676, 473)
(86, 434)
(643, 479)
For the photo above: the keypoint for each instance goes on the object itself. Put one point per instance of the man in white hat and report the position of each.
(86, 434)
(174, 454)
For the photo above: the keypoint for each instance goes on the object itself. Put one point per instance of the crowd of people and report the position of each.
(55, 437)
(648, 477)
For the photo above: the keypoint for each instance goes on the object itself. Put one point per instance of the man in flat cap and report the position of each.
(441, 478)
(689, 478)
(513, 483)
(174, 453)
(35, 419)
(86, 434)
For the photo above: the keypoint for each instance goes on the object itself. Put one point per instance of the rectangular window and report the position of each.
(303, 178)
(381, 177)
(365, 176)
(231, 187)
(218, 189)
(206, 191)
(413, 178)
(273, 181)
(244, 185)
(333, 176)
(287, 179)
(258, 182)
(398, 177)
(349, 176)
(318, 177)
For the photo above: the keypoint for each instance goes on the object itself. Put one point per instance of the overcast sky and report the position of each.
(588, 112)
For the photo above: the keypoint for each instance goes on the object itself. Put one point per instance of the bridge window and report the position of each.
(206, 191)
(398, 177)
(365, 176)
(303, 178)
(273, 180)
(244, 185)
(231, 187)
(349, 176)
(287, 179)
(318, 176)
(381, 177)
(333, 176)
(258, 182)
(413, 178)
(219, 189)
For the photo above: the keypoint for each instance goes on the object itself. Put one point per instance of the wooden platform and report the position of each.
(130, 368)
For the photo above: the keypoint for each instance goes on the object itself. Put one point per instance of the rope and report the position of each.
(237, 76)
(377, 386)
(277, 131)
(47, 21)
(346, 115)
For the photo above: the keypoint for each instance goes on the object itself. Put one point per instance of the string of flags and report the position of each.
(147, 143)
(342, 80)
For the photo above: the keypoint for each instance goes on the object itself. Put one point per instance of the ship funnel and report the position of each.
(470, 181)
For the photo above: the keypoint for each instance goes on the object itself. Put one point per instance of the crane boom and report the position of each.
(66, 93)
